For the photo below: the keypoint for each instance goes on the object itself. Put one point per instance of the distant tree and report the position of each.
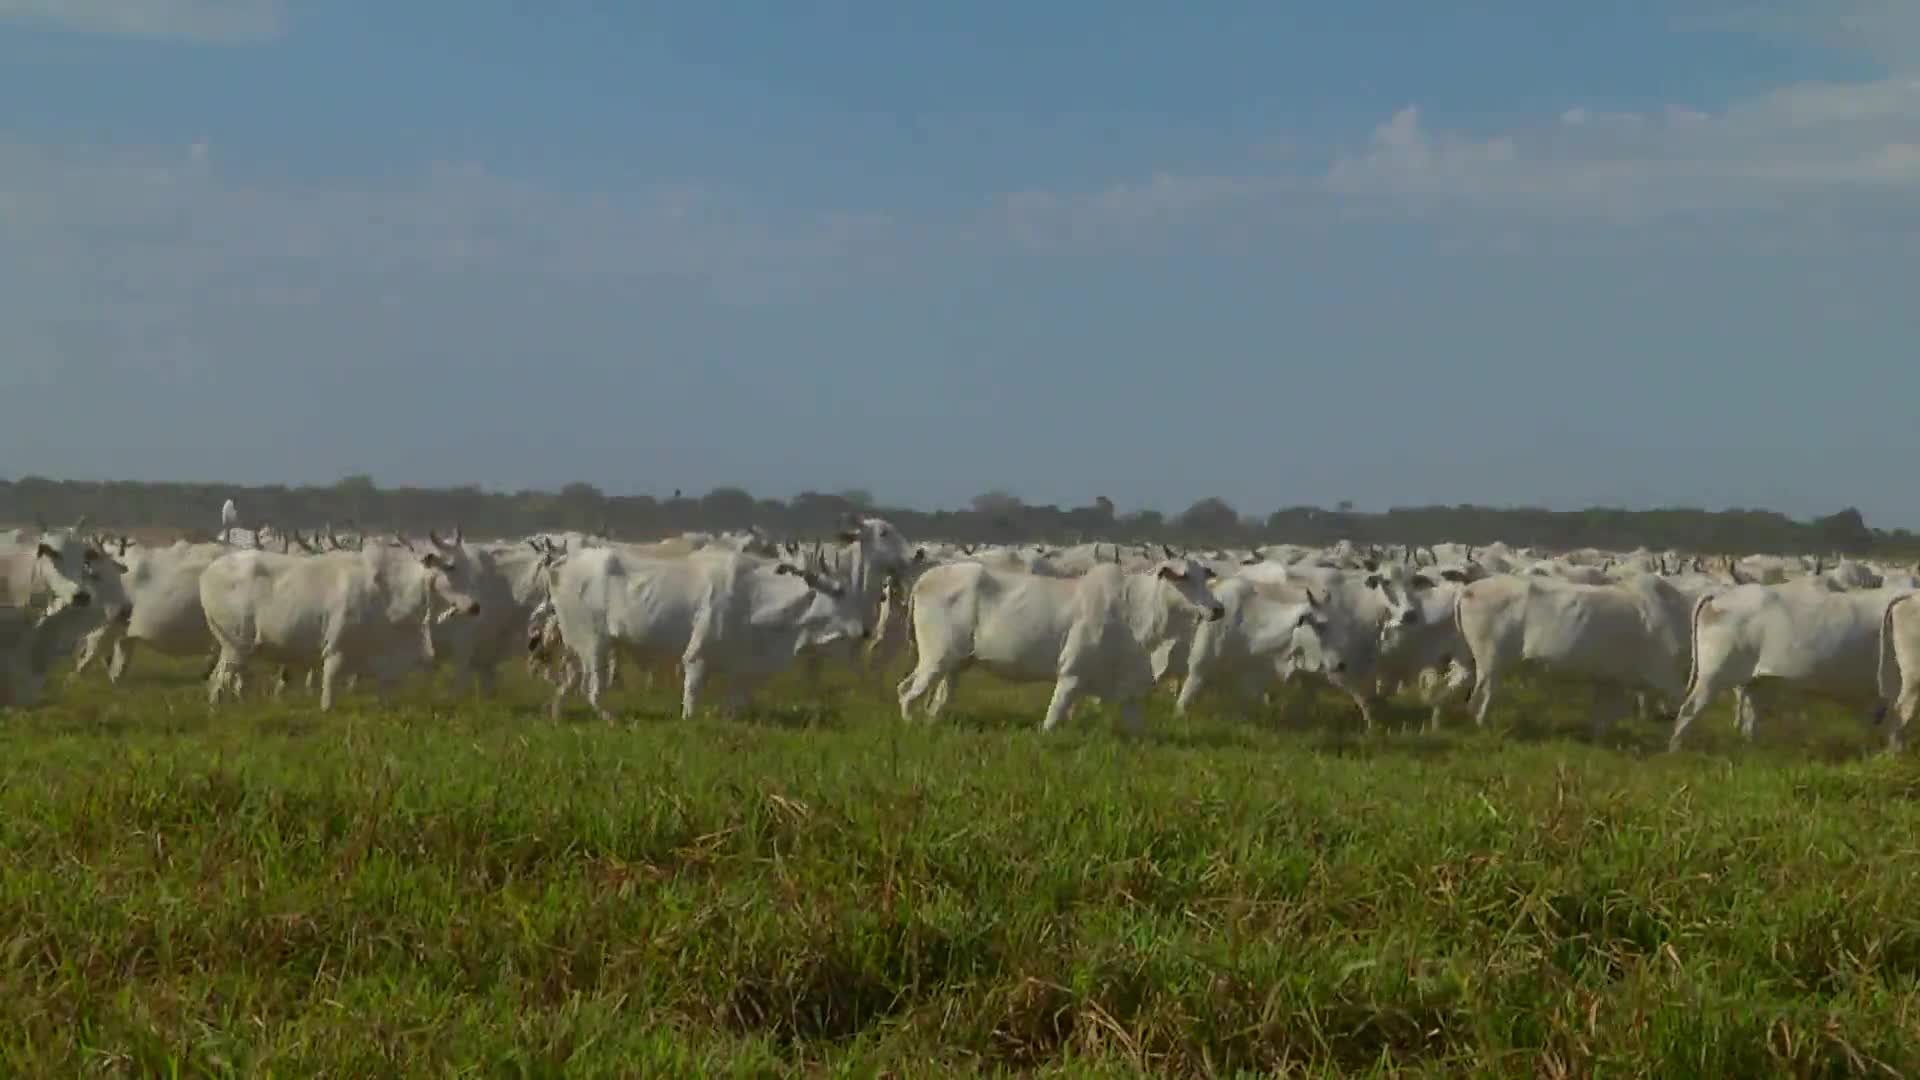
(582, 492)
(996, 503)
(1210, 517)
(1845, 531)
(727, 508)
(859, 497)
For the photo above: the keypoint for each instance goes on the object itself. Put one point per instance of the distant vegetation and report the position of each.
(992, 518)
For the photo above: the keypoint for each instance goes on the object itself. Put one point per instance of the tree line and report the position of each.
(993, 517)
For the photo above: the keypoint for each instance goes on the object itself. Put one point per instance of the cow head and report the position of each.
(1314, 644)
(78, 574)
(1192, 581)
(1415, 598)
(450, 574)
(885, 551)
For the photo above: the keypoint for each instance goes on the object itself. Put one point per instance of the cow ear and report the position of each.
(432, 561)
(45, 552)
(1374, 581)
(1169, 573)
(1420, 581)
(1454, 575)
(920, 555)
(787, 568)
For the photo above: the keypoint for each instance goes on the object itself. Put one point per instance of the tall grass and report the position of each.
(471, 889)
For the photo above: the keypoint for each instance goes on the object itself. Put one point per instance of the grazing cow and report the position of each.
(347, 611)
(32, 642)
(1256, 633)
(164, 585)
(1091, 635)
(1809, 632)
(1624, 636)
(718, 613)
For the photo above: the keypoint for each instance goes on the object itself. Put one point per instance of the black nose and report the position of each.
(1409, 617)
(1339, 666)
(473, 608)
(1218, 611)
(125, 614)
(82, 598)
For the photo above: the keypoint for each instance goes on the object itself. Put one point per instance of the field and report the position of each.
(472, 889)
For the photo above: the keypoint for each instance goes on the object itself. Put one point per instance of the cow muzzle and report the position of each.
(472, 609)
(82, 598)
(1216, 613)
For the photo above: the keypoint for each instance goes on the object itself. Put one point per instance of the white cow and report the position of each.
(164, 585)
(1256, 633)
(1898, 663)
(1090, 635)
(347, 611)
(1624, 636)
(61, 567)
(509, 581)
(1809, 632)
(717, 613)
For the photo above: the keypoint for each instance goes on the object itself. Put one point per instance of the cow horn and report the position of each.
(459, 534)
(435, 538)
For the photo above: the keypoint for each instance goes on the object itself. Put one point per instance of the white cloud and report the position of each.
(1888, 30)
(225, 21)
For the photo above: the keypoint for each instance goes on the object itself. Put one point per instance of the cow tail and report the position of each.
(906, 615)
(1693, 646)
(1885, 653)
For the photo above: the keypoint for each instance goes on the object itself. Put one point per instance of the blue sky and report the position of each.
(1282, 253)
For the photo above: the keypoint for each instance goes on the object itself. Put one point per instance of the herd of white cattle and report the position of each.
(1102, 620)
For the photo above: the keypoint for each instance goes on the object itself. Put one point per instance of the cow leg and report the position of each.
(213, 664)
(1744, 710)
(1190, 688)
(122, 656)
(1705, 689)
(487, 680)
(915, 686)
(1904, 708)
(90, 647)
(1066, 689)
(330, 666)
(694, 673)
(1133, 717)
(1485, 678)
(224, 665)
(942, 693)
